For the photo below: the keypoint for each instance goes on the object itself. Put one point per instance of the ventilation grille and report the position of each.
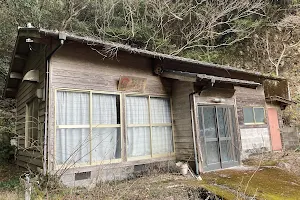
(139, 168)
(82, 176)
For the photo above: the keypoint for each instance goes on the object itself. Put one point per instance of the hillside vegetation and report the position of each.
(258, 35)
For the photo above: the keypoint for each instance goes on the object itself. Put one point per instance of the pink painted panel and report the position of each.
(274, 129)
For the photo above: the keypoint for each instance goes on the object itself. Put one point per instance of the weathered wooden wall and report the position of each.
(30, 157)
(184, 145)
(254, 138)
(249, 97)
(207, 96)
(277, 88)
(77, 66)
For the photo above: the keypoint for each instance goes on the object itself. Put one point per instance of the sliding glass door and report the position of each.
(218, 139)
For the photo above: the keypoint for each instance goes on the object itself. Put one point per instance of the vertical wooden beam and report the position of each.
(150, 122)
(91, 123)
(123, 127)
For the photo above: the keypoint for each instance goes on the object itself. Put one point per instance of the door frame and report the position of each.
(235, 138)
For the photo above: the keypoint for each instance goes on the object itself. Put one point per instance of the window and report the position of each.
(149, 126)
(31, 125)
(87, 127)
(254, 115)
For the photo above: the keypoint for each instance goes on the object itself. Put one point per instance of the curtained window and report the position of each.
(87, 133)
(149, 126)
(106, 135)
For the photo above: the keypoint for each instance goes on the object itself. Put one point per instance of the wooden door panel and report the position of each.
(274, 129)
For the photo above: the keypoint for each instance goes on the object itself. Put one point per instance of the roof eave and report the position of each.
(11, 64)
(29, 32)
(143, 52)
(280, 100)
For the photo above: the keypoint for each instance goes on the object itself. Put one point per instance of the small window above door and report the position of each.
(254, 115)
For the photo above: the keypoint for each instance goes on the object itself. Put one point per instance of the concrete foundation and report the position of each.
(90, 176)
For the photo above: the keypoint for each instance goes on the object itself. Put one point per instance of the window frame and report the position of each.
(29, 134)
(150, 125)
(255, 123)
(90, 126)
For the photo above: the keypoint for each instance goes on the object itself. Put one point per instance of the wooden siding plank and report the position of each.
(184, 146)
(26, 91)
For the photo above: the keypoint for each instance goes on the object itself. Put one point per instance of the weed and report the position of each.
(10, 184)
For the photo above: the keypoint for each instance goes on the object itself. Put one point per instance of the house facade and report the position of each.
(90, 110)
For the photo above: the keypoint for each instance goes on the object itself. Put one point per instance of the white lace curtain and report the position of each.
(138, 130)
(138, 137)
(162, 139)
(74, 139)
(105, 141)
(73, 143)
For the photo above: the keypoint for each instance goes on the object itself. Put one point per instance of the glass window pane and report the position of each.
(248, 115)
(35, 121)
(209, 122)
(226, 154)
(160, 110)
(200, 121)
(137, 111)
(72, 108)
(32, 123)
(106, 109)
(212, 150)
(162, 140)
(259, 115)
(223, 122)
(72, 146)
(138, 141)
(106, 144)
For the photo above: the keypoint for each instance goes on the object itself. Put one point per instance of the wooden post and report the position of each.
(27, 187)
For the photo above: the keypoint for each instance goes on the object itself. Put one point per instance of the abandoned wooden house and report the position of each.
(96, 110)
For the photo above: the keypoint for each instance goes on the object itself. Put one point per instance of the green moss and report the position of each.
(264, 163)
(267, 183)
(212, 188)
(219, 191)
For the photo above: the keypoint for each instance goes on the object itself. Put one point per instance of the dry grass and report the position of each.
(272, 181)
(11, 195)
(159, 186)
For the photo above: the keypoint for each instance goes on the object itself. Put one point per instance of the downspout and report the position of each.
(62, 38)
(193, 130)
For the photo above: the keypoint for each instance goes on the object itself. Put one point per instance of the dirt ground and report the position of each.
(269, 176)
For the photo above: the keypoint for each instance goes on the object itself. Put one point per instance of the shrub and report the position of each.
(7, 152)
